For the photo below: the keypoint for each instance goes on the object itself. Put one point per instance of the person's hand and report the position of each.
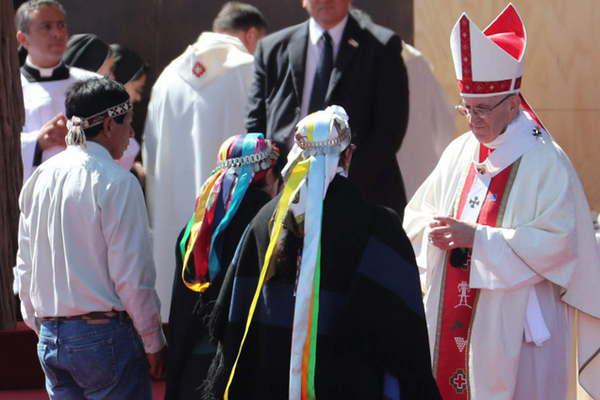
(449, 233)
(140, 172)
(53, 133)
(157, 362)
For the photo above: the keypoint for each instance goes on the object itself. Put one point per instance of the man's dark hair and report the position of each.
(92, 96)
(235, 16)
(23, 14)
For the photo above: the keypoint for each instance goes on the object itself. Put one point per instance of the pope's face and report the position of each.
(46, 39)
(489, 116)
(328, 13)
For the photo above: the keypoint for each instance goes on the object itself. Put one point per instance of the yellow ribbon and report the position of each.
(299, 172)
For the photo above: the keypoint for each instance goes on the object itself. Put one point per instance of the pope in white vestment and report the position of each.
(197, 102)
(528, 280)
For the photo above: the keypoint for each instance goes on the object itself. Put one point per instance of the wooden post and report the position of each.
(11, 168)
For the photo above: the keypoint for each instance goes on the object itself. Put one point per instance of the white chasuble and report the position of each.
(544, 241)
(197, 102)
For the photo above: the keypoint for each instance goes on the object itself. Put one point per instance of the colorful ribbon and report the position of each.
(217, 204)
(306, 308)
(239, 191)
(304, 333)
(297, 175)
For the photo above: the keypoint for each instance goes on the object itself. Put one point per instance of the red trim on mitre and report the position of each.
(465, 49)
(508, 32)
(489, 87)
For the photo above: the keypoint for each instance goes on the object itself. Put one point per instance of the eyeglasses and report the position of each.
(479, 111)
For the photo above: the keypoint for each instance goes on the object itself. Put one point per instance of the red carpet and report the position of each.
(158, 393)
(20, 368)
(21, 377)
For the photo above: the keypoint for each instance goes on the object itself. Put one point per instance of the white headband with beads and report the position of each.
(77, 125)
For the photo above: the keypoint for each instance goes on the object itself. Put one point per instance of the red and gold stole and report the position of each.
(457, 300)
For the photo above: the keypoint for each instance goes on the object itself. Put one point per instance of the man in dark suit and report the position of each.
(337, 58)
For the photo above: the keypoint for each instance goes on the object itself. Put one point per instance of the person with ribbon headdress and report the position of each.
(84, 264)
(322, 298)
(502, 235)
(245, 179)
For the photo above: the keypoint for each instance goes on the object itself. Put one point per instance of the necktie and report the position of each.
(322, 74)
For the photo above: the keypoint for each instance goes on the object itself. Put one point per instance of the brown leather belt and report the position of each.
(94, 315)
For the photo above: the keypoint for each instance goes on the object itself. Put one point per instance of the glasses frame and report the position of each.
(479, 111)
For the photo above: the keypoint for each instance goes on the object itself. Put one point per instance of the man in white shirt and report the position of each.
(197, 102)
(502, 235)
(84, 267)
(42, 30)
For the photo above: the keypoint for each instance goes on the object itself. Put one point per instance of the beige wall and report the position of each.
(562, 74)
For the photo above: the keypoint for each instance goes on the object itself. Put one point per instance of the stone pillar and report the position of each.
(11, 169)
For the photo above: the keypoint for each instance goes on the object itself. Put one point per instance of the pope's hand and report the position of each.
(450, 233)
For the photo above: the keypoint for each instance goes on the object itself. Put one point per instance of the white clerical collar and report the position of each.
(315, 31)
(510, 130)
(519, 137)
(44, 72)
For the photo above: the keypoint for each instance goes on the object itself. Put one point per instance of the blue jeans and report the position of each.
(86, 359)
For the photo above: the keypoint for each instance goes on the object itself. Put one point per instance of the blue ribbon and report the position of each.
(239, 191)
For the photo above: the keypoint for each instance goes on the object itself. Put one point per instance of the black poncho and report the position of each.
(189, 309)
(371, 319)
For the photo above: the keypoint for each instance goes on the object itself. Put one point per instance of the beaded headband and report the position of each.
(76, 125)
(324, 146)
(96, 119)
(260, 161)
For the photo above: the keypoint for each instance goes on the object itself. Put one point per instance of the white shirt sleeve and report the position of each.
(22, 274)
(130, 262)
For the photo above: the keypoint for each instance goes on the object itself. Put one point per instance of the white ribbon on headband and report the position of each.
(76, 126)
(75, 134)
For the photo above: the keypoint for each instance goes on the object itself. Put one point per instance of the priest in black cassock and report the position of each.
(244, 180)
(322, 298)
